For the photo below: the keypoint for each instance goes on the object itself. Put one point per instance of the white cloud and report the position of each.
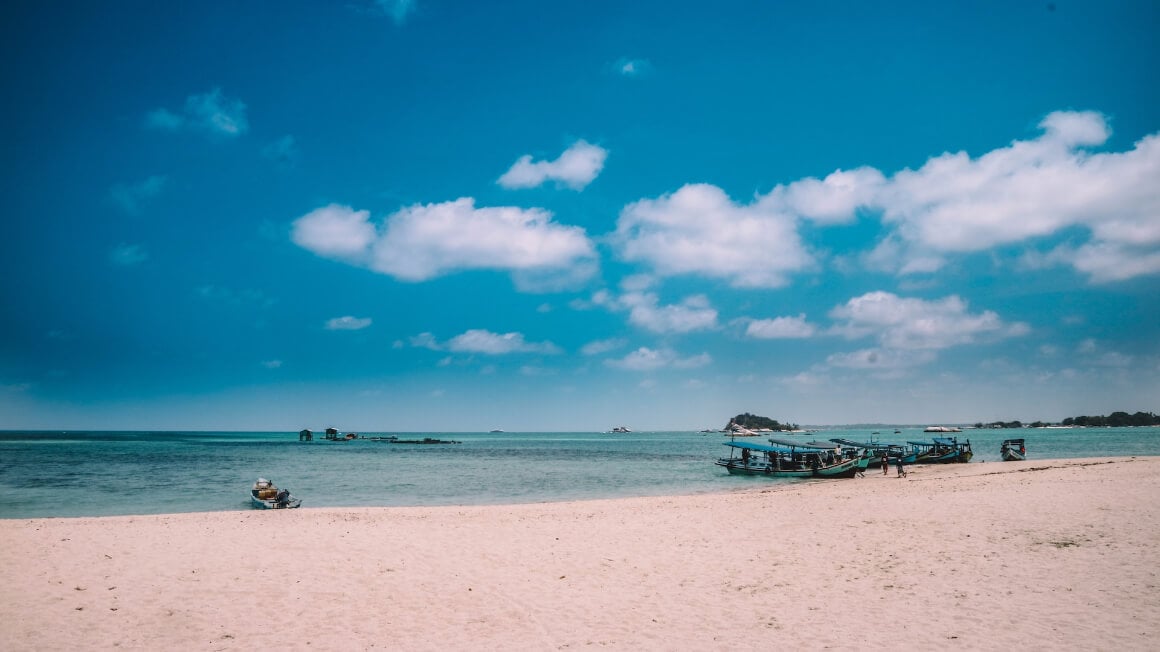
(915, 324)
(575, 168)
(1018, 195)
(210, 112)
(1033, 189)
(335, 231)
(128, 255)
(485, 342)
(699, 230)
(692, 314)
(780, 328)
(646, 359)
(130, 197)
(833, 199)
(422, 242)
(347, 323)
(599, 347)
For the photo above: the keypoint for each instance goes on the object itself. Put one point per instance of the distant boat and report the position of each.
(495, 431)
(1013, 450)
(941, 429)
(264, 495)
(621, 429)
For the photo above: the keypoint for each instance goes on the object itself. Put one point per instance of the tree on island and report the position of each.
(1115, 420)
(754, 422)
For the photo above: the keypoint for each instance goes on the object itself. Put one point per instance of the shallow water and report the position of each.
(48, 474)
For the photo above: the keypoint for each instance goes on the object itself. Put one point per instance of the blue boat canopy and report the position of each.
(799, 444)
(945, 441)
(748, 445)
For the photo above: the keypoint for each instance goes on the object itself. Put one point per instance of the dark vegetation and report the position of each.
(753, 422)
(1114, 420)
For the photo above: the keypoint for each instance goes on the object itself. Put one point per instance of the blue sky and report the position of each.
(436, 215)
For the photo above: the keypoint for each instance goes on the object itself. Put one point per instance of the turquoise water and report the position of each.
(48, 474)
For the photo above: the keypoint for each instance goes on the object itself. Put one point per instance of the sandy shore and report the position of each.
(1024, 555)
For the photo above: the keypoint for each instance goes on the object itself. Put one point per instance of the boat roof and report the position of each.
(945, 441)
(1013, 441)
(799, 444)
(861, 444)
(920, 443)
(754, 446)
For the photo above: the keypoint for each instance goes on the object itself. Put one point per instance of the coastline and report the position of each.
(987, 555)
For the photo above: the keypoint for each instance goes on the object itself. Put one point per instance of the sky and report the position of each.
(436, 215)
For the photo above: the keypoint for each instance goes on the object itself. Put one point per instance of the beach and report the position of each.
(1030, 555)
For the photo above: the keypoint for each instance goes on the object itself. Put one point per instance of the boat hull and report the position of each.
(1013, 456)
(844, 469)
(258, 503)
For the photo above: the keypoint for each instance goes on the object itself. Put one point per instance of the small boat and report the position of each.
(788, 459)
(1013, 450)
(941, 429)
(264, 495)
(875, 450)
(620, 429)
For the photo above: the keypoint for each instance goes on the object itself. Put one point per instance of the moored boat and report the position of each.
(1013, 450)
(264, 495)
(788, 459)
(942, 450)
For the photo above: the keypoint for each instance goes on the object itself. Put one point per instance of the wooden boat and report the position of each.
(1013, 450)
(264, 495)
(942, 450)
(875, 450)
(788, 460)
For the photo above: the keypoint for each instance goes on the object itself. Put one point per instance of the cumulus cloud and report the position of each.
(1024, 194)
(131, 197)
(780, 328)
(646, 359)
(1026, 191)
(422, 242)
(694, 313)
(700, 230)
(347, 323)
(900, 323)
(575, 168)
(210, 112)
(485, 342)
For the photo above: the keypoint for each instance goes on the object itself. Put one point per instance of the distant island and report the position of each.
(1113, 420)
(754, 422)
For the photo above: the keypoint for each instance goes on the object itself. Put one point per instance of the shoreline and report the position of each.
(1063, 552)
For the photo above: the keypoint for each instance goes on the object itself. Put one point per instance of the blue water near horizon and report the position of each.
(63, 474)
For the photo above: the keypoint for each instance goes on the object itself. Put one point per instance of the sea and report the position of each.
(69, 474)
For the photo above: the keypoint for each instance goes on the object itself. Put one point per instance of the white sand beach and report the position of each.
(1059, 554)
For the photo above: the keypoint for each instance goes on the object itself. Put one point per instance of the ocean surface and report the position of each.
(58, 474)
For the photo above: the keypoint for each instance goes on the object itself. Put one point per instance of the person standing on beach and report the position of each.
(885, 464)
(901, 471)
